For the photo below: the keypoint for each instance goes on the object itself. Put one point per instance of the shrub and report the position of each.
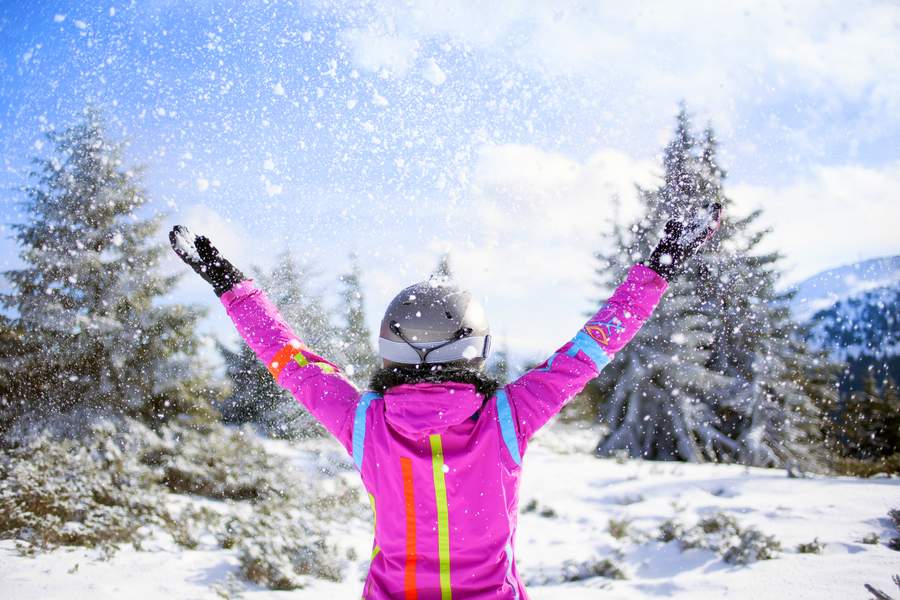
(544, 511)
(215, 462)
(723, 535)
(592, 568)
(618, 528)
(870, 538)
(894, 515)
(571, 571)
(278, 548)
(813, 547)
(628, 499)
(119, 483)
(670, 530)
(752, 545)
(857, 467)
(63, 493)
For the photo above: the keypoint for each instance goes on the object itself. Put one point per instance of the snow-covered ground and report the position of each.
(576, 496)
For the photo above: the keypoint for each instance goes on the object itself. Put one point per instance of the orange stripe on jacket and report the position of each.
(409, 576)
(283, 357)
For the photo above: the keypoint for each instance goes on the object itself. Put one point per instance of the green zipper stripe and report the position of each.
(440, 496)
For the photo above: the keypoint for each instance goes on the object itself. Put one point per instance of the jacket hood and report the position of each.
(422, 409)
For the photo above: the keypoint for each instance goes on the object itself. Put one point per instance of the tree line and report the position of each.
(89, 332)
(722, 372)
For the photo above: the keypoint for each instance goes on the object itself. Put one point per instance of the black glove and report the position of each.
(204, 258)
(682, 238)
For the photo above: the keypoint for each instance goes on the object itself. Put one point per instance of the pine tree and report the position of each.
(651, 392)
(720, 371)
(89, 336)
(769, 404)
(254, 394)
(360, 359)
(443, 270)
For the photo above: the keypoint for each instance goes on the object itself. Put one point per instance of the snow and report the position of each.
(378, 99)
(184, 242)
(433, 73)
(580, 494)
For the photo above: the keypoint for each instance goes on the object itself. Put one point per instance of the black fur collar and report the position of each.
(388, 377)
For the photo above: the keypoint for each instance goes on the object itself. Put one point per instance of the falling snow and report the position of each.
(336, 152)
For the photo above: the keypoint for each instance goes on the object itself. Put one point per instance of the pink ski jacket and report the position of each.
(441, 463)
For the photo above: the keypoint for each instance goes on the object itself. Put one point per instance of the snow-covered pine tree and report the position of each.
(291, 285)
(255, 397)
(443, 270)
(719, 372)
(650, 395)
(360, 358)
(768, 404)
(88, 336)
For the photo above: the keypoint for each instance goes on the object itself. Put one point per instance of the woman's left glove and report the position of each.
(204, 258)
(682, 238)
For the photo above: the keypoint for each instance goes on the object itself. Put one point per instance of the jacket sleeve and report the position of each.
(315, 382)
(539, 394)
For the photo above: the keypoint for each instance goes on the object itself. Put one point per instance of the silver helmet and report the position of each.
(434, 322)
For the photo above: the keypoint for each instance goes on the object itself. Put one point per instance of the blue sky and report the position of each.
(498, 131)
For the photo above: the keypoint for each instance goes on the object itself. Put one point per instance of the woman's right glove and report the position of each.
(682, 238)
(204, 258)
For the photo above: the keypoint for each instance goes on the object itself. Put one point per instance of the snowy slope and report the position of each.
(576, 495)
(828, 287)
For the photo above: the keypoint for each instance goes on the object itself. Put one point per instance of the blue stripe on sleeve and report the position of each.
(507, 427)
(589, 346)
(359, 427)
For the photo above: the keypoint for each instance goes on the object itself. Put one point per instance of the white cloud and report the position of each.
(526, 242)
(841, 214)
(717, 55)
(564, 202)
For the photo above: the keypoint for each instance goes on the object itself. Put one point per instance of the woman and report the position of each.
(438, 445)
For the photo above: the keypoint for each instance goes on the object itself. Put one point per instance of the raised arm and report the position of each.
(315, 382)
(539, 394)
